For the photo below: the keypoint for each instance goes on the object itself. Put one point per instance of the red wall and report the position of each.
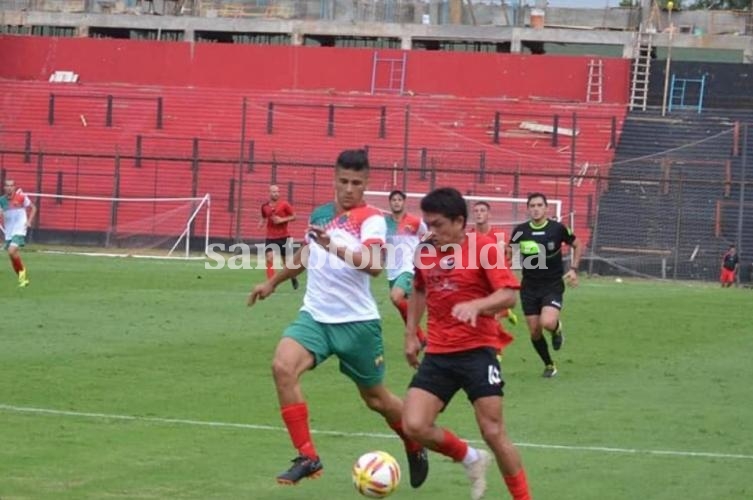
(260, 67)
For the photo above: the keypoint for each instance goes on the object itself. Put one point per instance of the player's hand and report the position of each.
(467, 312)
(260, 292)
(571, 278)
(412, 349)
(319, 235)
(276, 219)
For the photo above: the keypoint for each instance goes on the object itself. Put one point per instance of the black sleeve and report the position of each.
(516, 234)
(567, 235)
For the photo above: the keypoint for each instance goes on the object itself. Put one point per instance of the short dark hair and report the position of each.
(396, 191)
(483, 204)
(447, 202)
(353, 159)
(536, 195)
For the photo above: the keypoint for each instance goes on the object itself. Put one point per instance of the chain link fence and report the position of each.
(651, 196)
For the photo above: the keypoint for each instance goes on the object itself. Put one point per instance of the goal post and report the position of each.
(186, 234)
(139, 227)
(505, 213)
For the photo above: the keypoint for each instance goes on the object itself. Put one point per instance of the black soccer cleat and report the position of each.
(558, 337)
(418, 466)
(303, 467)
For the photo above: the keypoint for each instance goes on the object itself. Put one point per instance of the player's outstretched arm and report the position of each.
(571, 276)
(264, 290)
(468, 312)
(32, 214)
(367, 259)
(416, 309)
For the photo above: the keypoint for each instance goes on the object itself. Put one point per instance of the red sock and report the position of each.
(517, 485)
(15, 261)
(270, 269)
(452, 446)
(410, 445)
(296, 418)
(402, 306)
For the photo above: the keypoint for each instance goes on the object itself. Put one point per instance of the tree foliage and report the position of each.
(721, 4)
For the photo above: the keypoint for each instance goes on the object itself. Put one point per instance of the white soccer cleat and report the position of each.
(476, 473)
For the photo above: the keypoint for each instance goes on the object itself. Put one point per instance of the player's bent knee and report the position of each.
(280, 370)
(414, 428)
(375, 402)
(493, 432)
(397, 295)
(550, 324)
(284, 371)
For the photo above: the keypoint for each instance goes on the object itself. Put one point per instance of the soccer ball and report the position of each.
(376, 474)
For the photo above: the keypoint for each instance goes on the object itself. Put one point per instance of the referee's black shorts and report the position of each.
(476, 371)
(280, 243)
(534, 297)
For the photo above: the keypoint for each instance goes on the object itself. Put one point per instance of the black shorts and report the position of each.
(535, 297)
(477, 372)
(280, 243)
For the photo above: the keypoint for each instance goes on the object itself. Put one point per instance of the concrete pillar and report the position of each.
(189, 35)
(645, 11)
(296, 38)
(628, 50)
(456, 12)
(82, 31)
(435, 12)
(515, 43)
(406, 42)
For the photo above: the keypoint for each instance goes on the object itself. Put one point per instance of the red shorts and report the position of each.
(728, 276)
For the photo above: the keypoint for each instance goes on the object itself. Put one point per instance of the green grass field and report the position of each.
(125, 378)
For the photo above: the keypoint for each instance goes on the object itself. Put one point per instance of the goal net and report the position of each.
(504, 213)
(138, 227)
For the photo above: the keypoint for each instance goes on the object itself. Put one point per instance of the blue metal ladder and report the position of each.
(677, 93)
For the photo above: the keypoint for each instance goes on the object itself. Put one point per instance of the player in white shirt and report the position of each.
(15, 220)
(404, 233)
(339, 316)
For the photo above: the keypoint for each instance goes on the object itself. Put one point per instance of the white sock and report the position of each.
(470, 456)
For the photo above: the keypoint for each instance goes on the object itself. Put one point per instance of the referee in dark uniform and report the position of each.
(539, 243)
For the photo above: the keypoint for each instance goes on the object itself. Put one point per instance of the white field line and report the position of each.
(121, 255)
(257, 427)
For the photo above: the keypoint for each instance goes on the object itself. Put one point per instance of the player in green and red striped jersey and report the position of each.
(17, 213)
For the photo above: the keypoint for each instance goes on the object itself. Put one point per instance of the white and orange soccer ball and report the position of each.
(376, 474)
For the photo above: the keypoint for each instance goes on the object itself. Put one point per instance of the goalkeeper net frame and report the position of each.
(181, 220)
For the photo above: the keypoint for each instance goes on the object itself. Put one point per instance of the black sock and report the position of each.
(543, 349)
